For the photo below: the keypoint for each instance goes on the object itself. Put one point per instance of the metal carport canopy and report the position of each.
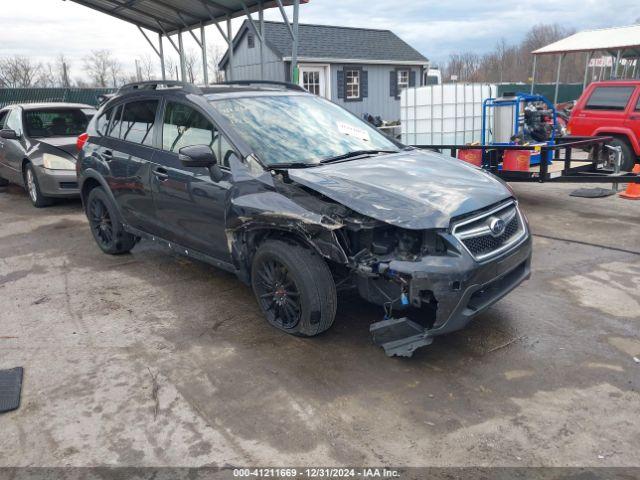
(619, 42)
(171, 17)
(605, 39)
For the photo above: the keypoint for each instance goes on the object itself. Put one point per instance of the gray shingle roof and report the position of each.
(330, 42)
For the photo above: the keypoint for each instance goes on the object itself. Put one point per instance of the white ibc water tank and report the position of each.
(443, 114)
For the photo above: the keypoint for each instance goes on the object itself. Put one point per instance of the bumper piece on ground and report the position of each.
(399, 337)
(10, 389)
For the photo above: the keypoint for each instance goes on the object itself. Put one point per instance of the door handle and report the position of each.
(634, 117)
(107, 155)
(161, 174)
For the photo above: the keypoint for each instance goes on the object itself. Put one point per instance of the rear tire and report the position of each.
(33, 188)
(106, 227)
(628, 155)
(3, 182)
(294, 288)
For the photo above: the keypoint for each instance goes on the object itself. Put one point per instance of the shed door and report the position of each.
(315, 79)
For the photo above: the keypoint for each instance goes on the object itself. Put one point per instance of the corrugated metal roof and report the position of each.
(173, 15)
(338, 43)
(606, 39)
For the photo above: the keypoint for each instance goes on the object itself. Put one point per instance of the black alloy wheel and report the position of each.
(278, 294)
(101, 223)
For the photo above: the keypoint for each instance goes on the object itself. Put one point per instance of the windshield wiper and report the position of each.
(281, 166)
(355, 153)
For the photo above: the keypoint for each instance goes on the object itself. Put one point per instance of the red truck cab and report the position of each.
(611, 108)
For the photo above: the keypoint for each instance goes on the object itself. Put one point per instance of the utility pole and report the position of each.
(65, 75)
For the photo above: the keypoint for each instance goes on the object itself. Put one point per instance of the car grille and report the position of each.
(483, 243)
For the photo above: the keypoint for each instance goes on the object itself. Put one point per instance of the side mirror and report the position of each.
(197, 156)
(9, 134)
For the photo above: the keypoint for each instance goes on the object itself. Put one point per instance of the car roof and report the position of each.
(210, 92)
(616, 82)
(52, 105)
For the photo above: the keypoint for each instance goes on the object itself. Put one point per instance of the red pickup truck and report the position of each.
(611, 108)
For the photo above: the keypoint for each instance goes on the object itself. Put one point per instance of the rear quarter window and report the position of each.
(609, 98)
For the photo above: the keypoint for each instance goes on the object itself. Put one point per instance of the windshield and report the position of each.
(292, 129)
(55, 123)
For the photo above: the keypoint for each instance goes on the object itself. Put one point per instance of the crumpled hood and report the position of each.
(66, 144)
(411, 189)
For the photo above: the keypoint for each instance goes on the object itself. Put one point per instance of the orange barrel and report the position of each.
(517, 160)
(473, 156)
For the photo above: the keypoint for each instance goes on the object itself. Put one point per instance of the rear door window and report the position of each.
(609, 98)
(137, 122)
(114, 125)
(102, 123)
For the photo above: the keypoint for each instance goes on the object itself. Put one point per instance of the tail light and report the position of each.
(82, 140)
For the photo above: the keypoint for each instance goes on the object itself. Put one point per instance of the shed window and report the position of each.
(609, 98)
(251, 40)
(352, 84)
(403, 79)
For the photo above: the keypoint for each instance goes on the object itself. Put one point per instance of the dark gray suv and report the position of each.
(38, 148)
(301, 199)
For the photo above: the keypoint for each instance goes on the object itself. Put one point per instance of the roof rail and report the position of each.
(286, 85)
(160, 85)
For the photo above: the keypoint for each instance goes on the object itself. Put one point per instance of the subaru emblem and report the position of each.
(497, 226)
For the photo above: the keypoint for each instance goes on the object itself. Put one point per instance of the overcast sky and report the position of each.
(44, 28)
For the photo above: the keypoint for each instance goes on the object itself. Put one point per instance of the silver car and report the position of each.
(38, 148)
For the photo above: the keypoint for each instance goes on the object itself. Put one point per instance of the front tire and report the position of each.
(33, 188)
(294, 288)
(106, 227)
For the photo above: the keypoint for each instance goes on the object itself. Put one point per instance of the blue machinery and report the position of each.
(509, 122)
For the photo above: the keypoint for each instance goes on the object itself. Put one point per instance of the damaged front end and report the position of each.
(444, 276)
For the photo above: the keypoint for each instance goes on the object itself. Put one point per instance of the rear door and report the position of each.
(134, 149)
(190, 205)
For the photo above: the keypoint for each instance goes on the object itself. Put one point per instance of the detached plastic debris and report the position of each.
(10, 389)
(399, 337)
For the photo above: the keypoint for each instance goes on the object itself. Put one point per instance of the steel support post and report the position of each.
(533, 73)
(555, 95)
(230, 42)
(261, 20)
(586, 70)
(163, 67)
(183, 65)
(205, 63)
(296, 38)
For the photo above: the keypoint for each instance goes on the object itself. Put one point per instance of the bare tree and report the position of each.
(20, 72)
(514, 63)
(192, 63)
(173, 68)
(97, 65)
(215, 54)
(146, 67)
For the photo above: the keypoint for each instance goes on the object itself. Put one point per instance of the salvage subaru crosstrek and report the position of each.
(301, 199)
